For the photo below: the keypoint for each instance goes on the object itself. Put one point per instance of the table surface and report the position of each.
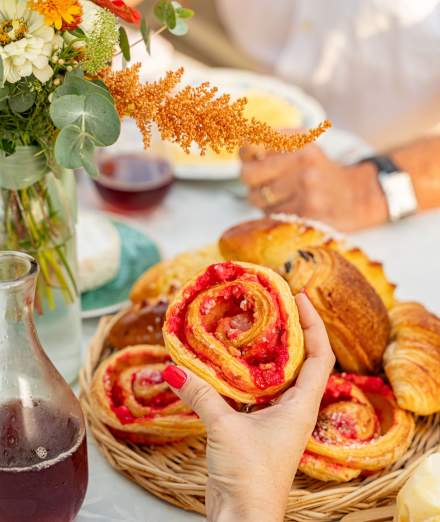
(195, 213)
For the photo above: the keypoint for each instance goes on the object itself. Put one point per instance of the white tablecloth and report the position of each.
(196, 213)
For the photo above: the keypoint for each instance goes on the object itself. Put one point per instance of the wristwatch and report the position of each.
(396, 185)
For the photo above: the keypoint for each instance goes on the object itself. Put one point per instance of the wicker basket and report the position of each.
(177, 473)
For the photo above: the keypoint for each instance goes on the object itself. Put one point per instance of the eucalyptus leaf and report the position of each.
(159, 10)
(74, 149)
(75, 85)
(93, 114)
(22, 101)
(180, 29)
(184, 12)
(124, 44)
(78, 72)
(67, 110)
(146, 35)
(87, 159)
(4, 93)
(101, 84)
(165, 13)
(68, 146)
(170, 17)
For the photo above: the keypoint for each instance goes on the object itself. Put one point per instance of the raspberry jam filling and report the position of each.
(117, 395)
(228, 314)
(343, 417)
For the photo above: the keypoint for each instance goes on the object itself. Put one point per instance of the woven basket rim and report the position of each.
(177, 472)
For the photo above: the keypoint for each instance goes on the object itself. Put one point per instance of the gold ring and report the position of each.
(267, 194)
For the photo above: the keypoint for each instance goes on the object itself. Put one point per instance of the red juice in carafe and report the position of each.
(43, 463)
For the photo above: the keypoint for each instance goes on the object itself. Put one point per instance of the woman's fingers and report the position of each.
(197, 393)
(320, 360)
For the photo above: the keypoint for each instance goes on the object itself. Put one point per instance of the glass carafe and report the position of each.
(43, 451)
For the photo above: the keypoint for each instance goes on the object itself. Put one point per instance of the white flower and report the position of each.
(90, 15)
(26, 42)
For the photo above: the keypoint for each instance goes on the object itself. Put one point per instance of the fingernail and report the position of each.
(174, 376)
(304, 291)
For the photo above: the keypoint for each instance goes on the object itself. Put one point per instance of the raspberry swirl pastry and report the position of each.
(236, 325)
(359, 428)
(131, 397)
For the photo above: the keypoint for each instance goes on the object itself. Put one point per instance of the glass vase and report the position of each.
(43, 448)
(38, 216)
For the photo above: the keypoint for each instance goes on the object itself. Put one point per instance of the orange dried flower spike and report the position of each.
(196, 114)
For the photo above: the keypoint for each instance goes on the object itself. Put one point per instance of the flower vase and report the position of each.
(38, 215)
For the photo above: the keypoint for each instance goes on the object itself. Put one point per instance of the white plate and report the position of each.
(237, 83)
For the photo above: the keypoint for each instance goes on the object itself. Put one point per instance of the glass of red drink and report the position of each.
(43, 447)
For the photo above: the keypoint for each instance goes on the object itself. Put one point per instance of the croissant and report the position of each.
(130, 396)
(236, 325)
(355, 317)
(163, 280)
(412, 360)
(359, 428)
(272, 242)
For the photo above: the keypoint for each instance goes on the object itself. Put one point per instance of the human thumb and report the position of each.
(198, 394)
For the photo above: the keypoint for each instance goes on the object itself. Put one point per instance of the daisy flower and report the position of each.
(26, 42)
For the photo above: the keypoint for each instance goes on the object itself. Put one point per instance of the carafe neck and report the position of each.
(18, 274)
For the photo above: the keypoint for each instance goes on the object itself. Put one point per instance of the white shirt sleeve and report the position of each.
(373, 64)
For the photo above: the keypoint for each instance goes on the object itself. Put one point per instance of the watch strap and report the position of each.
(396, 185)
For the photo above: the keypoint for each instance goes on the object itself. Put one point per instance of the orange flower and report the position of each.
(196, 114)
(59, 13)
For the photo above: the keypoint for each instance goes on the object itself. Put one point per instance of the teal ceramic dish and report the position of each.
(138, 252)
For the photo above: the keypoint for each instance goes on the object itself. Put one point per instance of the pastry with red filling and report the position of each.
(236, 325)
(360, 428)
(130, 396)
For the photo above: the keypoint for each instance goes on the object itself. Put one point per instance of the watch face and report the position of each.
(399, 193)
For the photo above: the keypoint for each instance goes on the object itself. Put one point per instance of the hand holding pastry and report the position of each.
(236, 325)
(253, 457)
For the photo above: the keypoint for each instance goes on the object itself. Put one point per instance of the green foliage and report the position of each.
(171, 15)
(86, 116)
(124, 44)
(2, 73)
(74, 83)
(101, 43)
(146, 34)
(22, 101)
(24, 115)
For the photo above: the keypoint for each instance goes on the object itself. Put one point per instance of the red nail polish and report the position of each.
(174, 376)
(304, 291)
